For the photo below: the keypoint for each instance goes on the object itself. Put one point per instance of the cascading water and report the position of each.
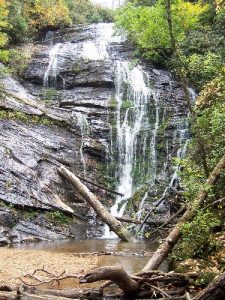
(133, 96)
(51, 72)
(94, 49)
(137, 122)
(182, 132)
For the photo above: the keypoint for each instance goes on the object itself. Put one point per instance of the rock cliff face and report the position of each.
(65, 111)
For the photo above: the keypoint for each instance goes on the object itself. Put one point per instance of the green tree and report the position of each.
(3, 36)
(148, 28)
(19, 30)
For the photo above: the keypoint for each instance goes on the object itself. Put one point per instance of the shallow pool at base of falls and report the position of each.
(133, 256)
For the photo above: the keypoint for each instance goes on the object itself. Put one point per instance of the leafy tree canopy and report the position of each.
(147, 25)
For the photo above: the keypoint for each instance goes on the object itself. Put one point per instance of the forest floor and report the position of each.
(15, 263)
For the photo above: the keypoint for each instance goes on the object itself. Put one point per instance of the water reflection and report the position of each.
(132, 256)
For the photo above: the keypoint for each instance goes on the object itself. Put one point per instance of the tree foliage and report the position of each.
(22, 20)
(3, 25)
(147, 25)
(46, 13)
(198, 30)
(189, 38)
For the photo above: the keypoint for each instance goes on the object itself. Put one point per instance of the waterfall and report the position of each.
(51, 71)
(139, 158)
(135, 143)
(133, 95)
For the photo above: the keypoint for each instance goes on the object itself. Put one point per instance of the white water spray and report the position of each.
(51, 71)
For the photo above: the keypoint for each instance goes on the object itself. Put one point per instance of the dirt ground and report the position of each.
(15, 263)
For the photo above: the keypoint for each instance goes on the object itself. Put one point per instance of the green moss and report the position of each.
(197, 236)
(28, 213)
(26, 118)
(58, 217)
(48, 94)
(76, 68)
(113, 103)
(134, 201)
(205, 278)
(126, 104)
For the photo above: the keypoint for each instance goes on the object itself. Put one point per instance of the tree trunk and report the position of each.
(73, 293)
(92, 200)
(162, 252)
(184, 85)
(116, 274)
(215, 291)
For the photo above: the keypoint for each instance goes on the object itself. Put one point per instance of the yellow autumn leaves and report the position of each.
(3, 23)
(46, 13)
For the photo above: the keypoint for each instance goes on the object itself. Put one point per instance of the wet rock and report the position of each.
(95, 148)
(26, 231)
(72, 69)
(85, 97)
(69, 87)
(6, 218)
(4, 236)
(29, 155)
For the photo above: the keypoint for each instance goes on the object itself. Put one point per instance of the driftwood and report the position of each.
(173, 237)
(92, 200)
(75, 293)
(113, 253)
(150, 285)
(215, 291)
(116, 274)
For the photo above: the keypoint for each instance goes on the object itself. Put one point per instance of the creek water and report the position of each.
(132, 256)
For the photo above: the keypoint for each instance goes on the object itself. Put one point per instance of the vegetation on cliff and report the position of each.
(198, 28)
(188, 38)
(22, 21)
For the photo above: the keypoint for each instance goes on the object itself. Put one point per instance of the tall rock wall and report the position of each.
(65, 111)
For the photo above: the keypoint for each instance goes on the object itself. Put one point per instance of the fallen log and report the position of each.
(81, 178)
(75, 293)
(215, 291)
(113, 253)
(100, 186)
(173, 237)
(150, 285)
(116, 274)
(100, 209)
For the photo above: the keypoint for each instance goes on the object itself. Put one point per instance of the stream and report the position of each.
(112, 252)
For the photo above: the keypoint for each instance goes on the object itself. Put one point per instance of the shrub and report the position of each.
(197, 236)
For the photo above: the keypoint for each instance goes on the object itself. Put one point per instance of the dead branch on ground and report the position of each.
(51, 278)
